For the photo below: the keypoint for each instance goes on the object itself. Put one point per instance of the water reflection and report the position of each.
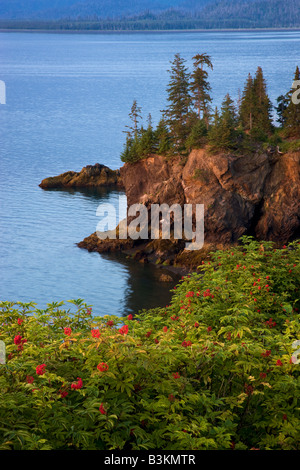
(144, 289)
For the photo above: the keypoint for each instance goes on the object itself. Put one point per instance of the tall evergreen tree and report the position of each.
(255, 109)
(178, 112)
(222, 135)
(291, 115)
(200, 87)
(262, 103)
(135, 117)
(247, 105)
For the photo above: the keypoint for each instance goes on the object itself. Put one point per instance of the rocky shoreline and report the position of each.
(256, 194)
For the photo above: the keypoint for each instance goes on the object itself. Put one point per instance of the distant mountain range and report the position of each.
(150, 14)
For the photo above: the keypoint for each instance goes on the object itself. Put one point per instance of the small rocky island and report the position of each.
(91, 176)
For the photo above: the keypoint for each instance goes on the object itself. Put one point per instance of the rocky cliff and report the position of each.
(254, 195)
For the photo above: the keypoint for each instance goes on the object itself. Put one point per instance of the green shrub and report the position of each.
(215, 369)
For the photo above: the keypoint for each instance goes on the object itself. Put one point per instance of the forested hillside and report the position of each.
(149, 14)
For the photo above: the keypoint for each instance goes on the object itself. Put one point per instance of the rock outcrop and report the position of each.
(254, 195)
(91, 176)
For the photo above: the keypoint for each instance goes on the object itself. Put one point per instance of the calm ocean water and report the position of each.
(68, 99)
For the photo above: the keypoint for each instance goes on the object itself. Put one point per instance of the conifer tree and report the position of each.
(200, 86)
(291, 115)
(222, 135)
(178, 112)
(262, 104)
(255, 109)
(247, 105)
(162, 138)
(135, 116)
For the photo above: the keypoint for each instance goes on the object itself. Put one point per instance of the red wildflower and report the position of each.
(18, 339)
(270, 323)
(63, 393)
(196, 324)
(165, 329)
(102, 410)
(266, 353)
(96, 333)
(248, 389)
(123, 330)
(20, 321)
(110, 323)
(103, 367)
(185, 344)
(209, 328)
(88, 311)
(148, 333)
(171, 397)
(29, 379)
(130, 317)
(279, 363)
(176, 375)
(77, 385)
(67, 331)
(190, 294)
(263, 375)
(40, 370)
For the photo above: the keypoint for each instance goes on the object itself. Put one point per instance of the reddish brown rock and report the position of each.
(243, 195)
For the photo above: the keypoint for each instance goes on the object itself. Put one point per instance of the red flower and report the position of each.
(266, 353)
(185, 344)
(190, 294)
(176, 375)
(171, 397)
(96, 333)
(130, 317)
(77, 385)
(270, 323)
(67, 331)
(18, 339)
(20, 321)
(123, 330)
(263, 375)
(102, 410)
(88, 311)
(110, 323)
(209, 328)
(279, 363)
(103, 367)
(40, 370)
(148, 333)
(165, 329)
(63, 393)
(196, 324)
(29, 379)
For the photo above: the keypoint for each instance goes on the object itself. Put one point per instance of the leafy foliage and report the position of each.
(215, 369)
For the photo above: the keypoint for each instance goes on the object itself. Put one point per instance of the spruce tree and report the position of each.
(135, 117)
(200, 87)
(262, 104)
(255, 109)
(247, 105)
(291, 115)
(222, 135)
(162, 138)
(178, 112)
